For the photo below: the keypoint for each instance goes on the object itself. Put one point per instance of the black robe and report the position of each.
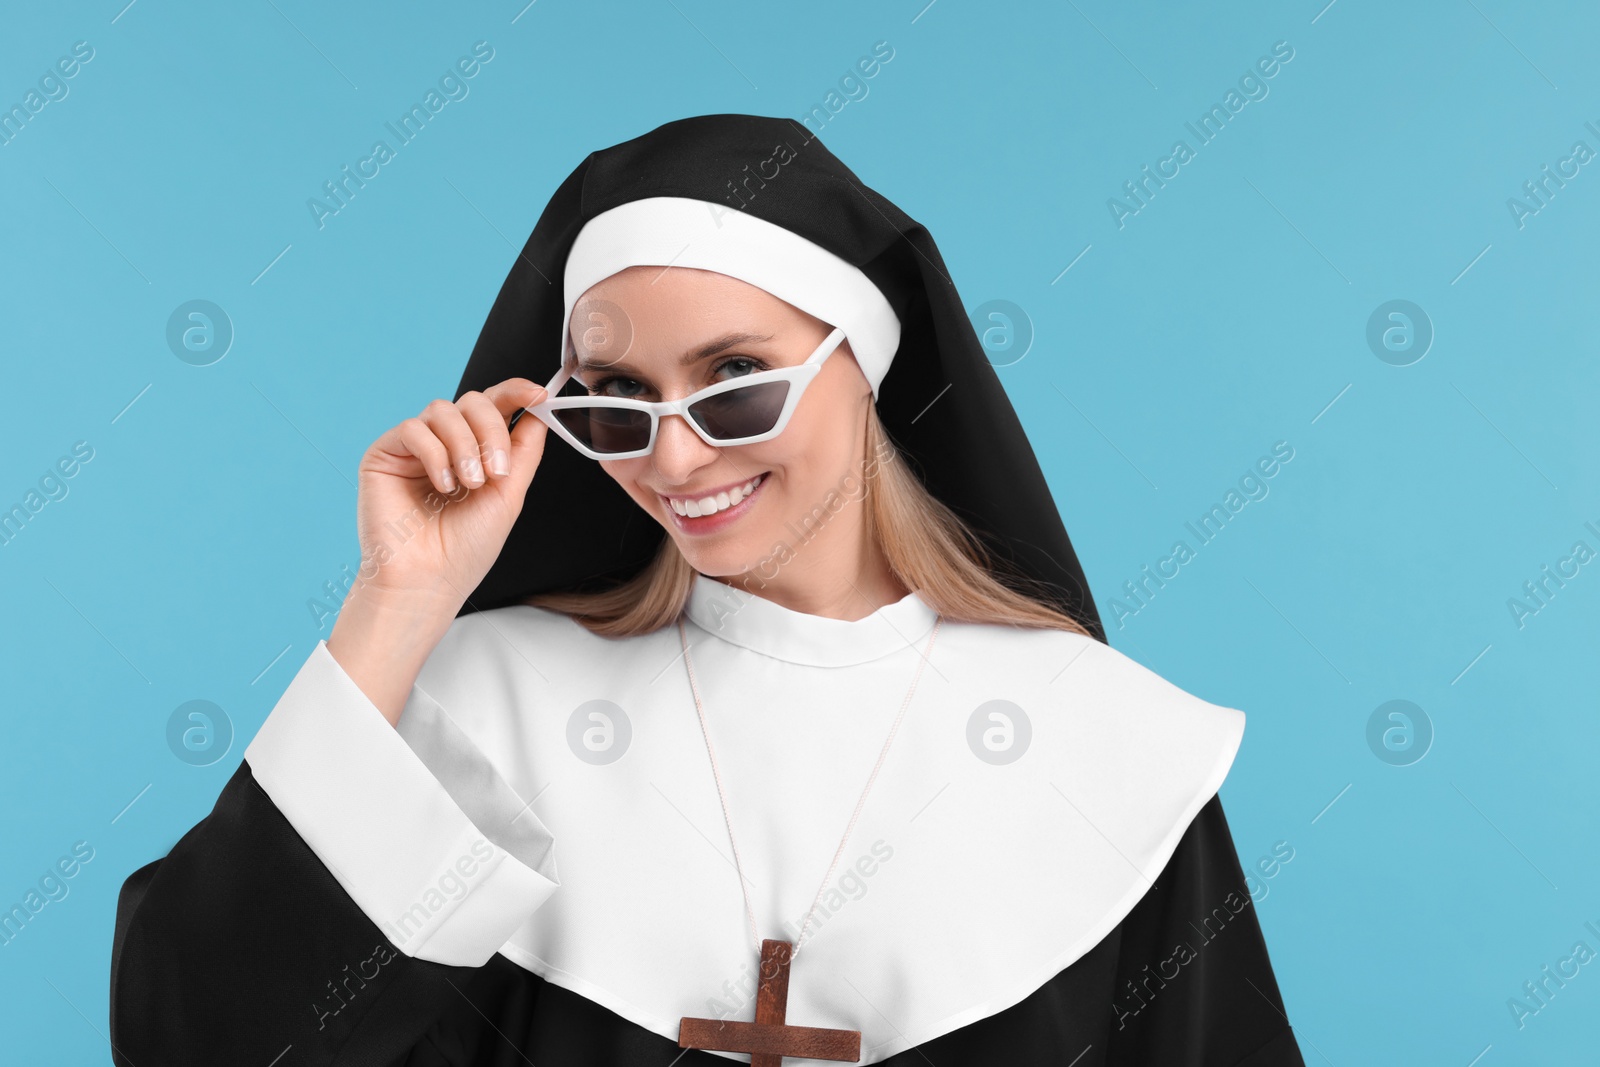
(240, 948)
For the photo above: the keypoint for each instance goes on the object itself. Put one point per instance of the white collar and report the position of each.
(752, 621)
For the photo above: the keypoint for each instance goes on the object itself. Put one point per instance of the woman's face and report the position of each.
(661, 334)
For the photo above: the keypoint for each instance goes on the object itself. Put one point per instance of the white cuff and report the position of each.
(430, 842)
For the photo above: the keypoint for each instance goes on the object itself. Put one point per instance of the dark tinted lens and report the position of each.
(607, 429)
(742, 412)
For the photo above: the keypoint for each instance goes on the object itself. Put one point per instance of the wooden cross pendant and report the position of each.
(769, 1039)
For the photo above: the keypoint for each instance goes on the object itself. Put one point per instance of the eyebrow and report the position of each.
(688, 359)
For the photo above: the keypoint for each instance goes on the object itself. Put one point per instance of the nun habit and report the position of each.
(486, 884)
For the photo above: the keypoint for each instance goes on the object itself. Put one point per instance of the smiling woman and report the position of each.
(789, 581)
(750, 299)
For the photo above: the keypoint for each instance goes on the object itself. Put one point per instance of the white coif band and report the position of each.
(684, 232)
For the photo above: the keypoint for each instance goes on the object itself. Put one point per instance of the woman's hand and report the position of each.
(436, 498)
(438, 494)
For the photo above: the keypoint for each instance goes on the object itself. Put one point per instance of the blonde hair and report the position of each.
(928, 547)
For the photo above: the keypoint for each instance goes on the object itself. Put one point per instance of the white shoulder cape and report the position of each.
(570, 772)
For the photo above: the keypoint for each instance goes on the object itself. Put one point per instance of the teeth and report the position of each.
(710, 505)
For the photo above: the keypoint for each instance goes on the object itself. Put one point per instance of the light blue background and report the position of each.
(1228, 314)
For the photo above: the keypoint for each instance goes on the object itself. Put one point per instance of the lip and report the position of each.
(709, 524)
(702, 494)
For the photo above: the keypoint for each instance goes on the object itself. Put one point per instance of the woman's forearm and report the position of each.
(382, 641)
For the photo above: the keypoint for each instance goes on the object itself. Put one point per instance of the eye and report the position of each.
(603, 387)
(745, 364)
(631, 389)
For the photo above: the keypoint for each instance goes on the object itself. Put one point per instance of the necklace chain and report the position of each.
(699, 706)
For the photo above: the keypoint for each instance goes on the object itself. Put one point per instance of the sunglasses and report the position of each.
(741, 411)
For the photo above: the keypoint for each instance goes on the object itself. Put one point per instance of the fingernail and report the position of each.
(471, 471)
(499, 462)
(449, 479)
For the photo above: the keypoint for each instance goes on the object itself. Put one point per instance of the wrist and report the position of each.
(397, 613)
(382, 642)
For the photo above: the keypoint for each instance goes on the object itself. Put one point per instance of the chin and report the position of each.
(728, 555)
(739, 555)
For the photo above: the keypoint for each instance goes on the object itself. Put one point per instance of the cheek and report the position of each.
(822, 444)
(807, 466)
(626, 473)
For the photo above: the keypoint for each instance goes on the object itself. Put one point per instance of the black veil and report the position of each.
(941, 400)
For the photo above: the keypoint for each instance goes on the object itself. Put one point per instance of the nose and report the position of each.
(679, 451)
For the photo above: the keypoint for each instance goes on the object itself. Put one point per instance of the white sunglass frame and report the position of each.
(798, 377)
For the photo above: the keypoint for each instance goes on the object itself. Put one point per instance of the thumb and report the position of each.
(528, 438)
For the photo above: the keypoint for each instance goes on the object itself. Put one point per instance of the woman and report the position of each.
(828, 742)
